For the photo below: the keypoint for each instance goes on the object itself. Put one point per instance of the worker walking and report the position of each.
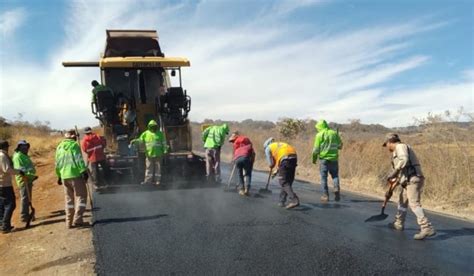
(327, 144)
(213, 138)
(94, 145)
(72, 174)
(156, 147)
(406, 170)
(284, 157)
(243, 158)
(21, 161)
(7, 195)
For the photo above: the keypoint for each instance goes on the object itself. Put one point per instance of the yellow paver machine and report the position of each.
(139, 78)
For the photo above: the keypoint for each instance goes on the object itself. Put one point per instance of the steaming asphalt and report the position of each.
(208, 231)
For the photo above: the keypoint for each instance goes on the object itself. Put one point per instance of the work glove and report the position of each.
(85, 176)
(274, 174)
(60, 182)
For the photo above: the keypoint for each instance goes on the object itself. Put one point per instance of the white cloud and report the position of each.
(260, 69)
(10, 21)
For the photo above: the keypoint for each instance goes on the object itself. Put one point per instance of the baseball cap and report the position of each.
(22, 143)
(87, 130)
(234, 136)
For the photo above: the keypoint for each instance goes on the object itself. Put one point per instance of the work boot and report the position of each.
(7, 229)
(424, 233)
(246, 192)
(325, 198)
(396, 226)
(337, 196)
(241, 192)
(292, 205)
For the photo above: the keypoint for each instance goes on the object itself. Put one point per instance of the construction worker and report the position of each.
(406, 170)
(213, 138)
(327, 144)
(21, 161)
(7, 195)
(72, 173)
(104, 99)
(243, 158)
(284, 157)
(155, 146)
(99, 88)
(94, 145)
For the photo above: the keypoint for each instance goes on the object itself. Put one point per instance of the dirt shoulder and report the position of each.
(47, 247)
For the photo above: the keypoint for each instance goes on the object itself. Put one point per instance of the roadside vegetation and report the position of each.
(443, 142)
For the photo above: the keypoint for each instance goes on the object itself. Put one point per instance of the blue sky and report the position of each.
(379, 61)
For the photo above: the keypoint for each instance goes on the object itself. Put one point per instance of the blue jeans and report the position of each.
(244, 167)
(331, 167)
(7, 206)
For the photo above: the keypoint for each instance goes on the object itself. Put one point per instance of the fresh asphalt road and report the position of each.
(206, 231)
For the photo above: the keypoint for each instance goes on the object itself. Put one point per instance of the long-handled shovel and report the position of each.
(388, 195)
(31, 215)
(266, 190)
(228, 189)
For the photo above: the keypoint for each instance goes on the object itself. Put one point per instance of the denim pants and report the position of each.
(331, 167)
(244, 167)
(7, 206)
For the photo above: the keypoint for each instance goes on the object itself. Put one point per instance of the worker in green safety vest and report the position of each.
(22, 161)
(155, 148)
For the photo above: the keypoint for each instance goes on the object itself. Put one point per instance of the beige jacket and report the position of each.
(6, 169)
(406, 164)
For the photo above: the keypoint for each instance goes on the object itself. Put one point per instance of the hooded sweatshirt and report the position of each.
(69, 161)
(94, 145)
(214, 136)
(327, 143)
(243, 148)
(155, 143)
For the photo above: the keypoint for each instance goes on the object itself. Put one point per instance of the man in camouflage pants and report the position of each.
(407, 171)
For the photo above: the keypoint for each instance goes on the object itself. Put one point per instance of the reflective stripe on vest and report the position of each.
(280, 151)
(94, 148)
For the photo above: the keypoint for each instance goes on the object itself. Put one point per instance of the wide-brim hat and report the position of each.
(22, 143)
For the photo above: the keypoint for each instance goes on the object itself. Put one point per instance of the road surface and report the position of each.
(208, 231)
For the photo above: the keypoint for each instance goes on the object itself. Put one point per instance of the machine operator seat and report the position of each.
(177, 105)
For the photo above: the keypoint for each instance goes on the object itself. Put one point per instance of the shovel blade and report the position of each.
(378, 217)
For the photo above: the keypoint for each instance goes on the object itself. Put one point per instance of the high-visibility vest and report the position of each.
(281, 150)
